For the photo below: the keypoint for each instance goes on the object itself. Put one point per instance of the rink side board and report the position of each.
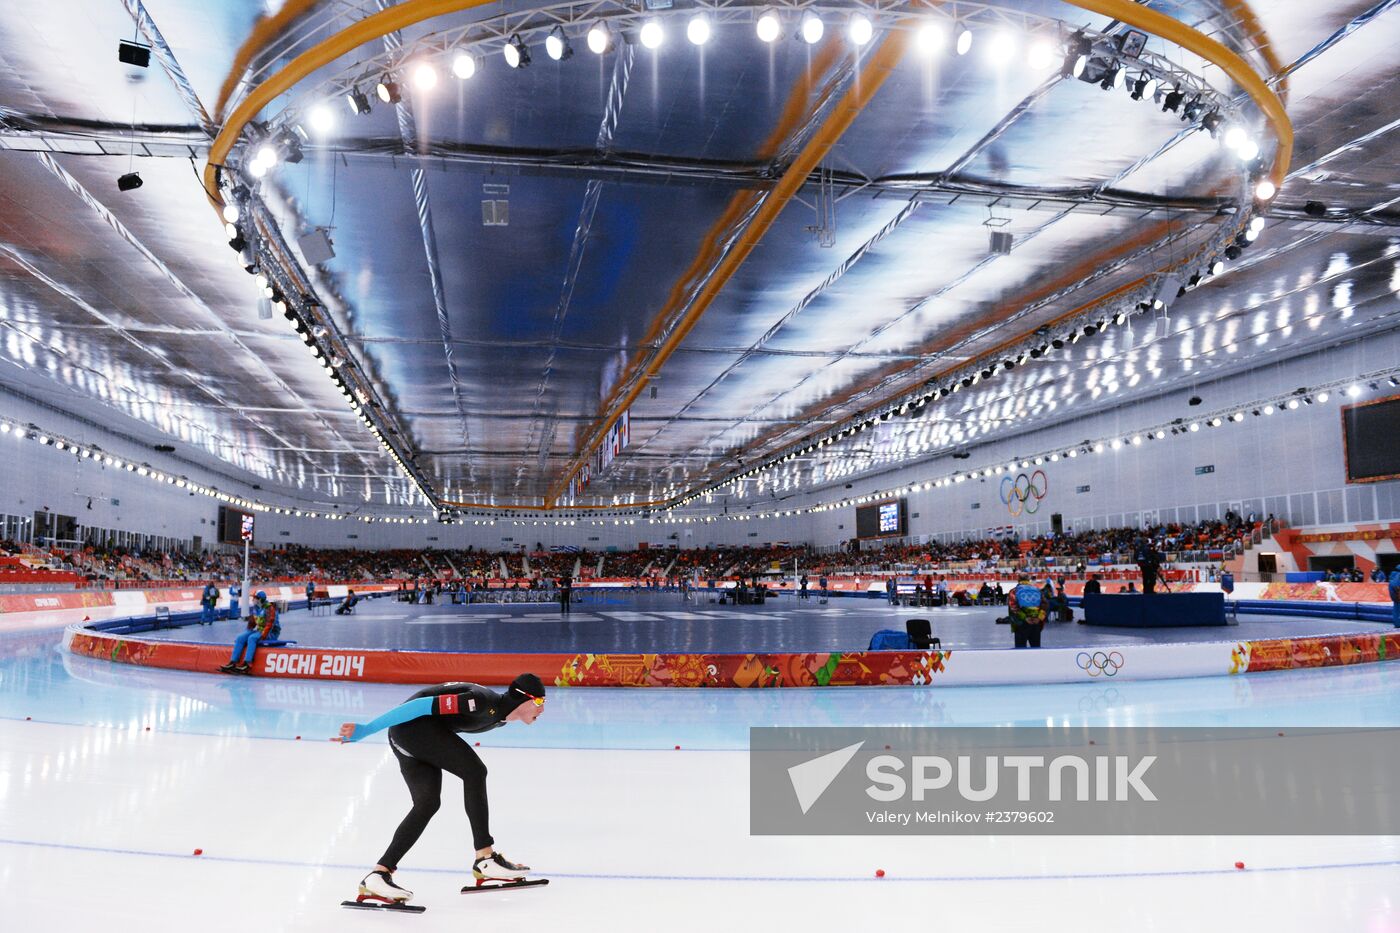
(816, 669)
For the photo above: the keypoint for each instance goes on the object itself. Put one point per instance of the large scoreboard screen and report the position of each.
(888, 519)
(1371, 433)
(235, 526)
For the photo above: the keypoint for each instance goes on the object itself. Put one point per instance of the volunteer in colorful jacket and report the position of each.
(262, 626)
(208, 601)
(1026, 607)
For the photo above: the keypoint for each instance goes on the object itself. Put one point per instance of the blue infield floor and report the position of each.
(664, 622)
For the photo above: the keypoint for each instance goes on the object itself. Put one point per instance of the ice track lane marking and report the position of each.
(771, 879)
(378, 740)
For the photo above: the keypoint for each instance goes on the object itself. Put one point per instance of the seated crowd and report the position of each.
(1068, 549)
(1068, 552)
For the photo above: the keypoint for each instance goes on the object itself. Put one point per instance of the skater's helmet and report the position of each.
(260, 595)
(525, 687)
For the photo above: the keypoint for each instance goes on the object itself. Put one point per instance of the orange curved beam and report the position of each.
(318, 56)
(863, 88)
(416, 11)
(264, 31)
(1124, 11)
(1255, 30)
(1160, 24)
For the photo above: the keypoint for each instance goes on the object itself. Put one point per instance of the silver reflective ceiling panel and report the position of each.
(245, 391)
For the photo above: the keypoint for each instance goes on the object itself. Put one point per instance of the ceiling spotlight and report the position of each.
(1265, 190)
(1211, 122)
(929, 39)
(1217, 267)
(388, 91)
(556, 44)
(1042, 55)
(769, 27)
(1002, 48)
(1076, 56)
(652, 35)
(1114, 77)
(860, 29)
(1144, 86)
(599, 38)
(1172, 100)
(425, 77)
(1234, 136)
(1248, 151)
(464, 65)
(698, 29)
(812, 28)
(230, 213)
(964, 40)
(320, 118)
(516, 53)
(356, 100)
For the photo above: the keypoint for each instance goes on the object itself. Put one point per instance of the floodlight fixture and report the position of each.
(357, 101)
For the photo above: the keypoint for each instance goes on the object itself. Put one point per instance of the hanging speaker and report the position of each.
(316, 247)
(1001, 242)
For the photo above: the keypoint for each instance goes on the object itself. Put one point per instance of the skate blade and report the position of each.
(488, 885)
(398, 906)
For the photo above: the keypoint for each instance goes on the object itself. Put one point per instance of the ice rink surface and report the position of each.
(111, 777)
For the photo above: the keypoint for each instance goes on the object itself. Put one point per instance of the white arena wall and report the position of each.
(1288, 464)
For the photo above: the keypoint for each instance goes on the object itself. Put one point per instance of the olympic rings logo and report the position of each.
(1098, 662)
(1023, 494)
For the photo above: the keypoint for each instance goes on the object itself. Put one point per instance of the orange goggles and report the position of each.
(538, 701)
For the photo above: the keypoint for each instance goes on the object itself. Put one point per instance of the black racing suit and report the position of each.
(428, 746)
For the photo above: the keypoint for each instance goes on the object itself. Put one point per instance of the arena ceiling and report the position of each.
(518, 254)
